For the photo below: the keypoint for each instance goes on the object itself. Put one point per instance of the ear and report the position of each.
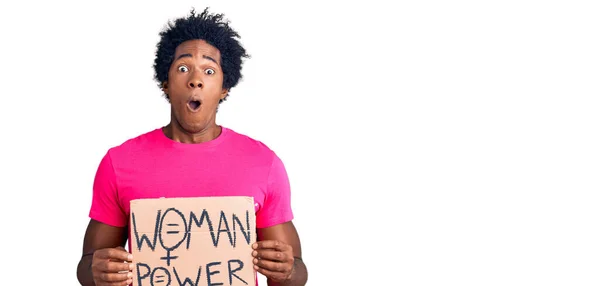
(224, 93)
(165, 87)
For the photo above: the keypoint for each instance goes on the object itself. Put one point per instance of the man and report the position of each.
(198, 60)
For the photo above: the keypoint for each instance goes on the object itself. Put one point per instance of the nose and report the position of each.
(195, 82)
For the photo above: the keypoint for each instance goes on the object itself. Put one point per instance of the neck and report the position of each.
(176, 133)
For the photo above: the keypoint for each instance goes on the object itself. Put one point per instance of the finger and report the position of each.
(119, 254)
(113, 253)
(119, 283)
(115, 267)
(115, 277)
(111, 267)
(271, 254)
(126, 283)
(277, 276)
(272, 265)
(274, 244)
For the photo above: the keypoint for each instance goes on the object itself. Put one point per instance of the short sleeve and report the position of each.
(277, 207)
(105, 201)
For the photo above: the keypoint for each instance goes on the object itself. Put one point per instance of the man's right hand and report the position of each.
(112, 266)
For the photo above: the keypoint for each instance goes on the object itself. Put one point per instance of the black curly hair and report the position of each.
(211, 28)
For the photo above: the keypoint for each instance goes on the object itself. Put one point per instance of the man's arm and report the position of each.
(278, 255)
(98, 236)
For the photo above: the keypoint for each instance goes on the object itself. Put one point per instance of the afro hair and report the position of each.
(211, 28)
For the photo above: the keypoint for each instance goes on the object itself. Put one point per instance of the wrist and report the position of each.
(289, 278)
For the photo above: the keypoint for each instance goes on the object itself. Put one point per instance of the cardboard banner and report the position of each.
(193, 241)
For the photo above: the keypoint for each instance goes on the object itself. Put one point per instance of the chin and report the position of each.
(193, 127)
(191, 124)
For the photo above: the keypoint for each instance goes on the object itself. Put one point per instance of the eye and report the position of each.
(182, 69)
(209, 71)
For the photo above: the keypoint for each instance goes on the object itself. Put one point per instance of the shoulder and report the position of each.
(249, 145)
(134, 145)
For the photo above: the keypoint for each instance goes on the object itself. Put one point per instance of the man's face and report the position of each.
(195, 85)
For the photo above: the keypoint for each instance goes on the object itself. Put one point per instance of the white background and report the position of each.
(427, 142)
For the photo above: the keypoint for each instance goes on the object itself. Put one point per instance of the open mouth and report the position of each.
(194, 105)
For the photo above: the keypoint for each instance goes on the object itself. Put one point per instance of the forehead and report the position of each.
(198, 48)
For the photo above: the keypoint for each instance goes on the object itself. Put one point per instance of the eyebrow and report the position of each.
(190, 55)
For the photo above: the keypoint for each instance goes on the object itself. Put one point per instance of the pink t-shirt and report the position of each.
(153, 166)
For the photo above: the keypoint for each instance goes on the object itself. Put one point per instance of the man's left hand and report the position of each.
(274, 259)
